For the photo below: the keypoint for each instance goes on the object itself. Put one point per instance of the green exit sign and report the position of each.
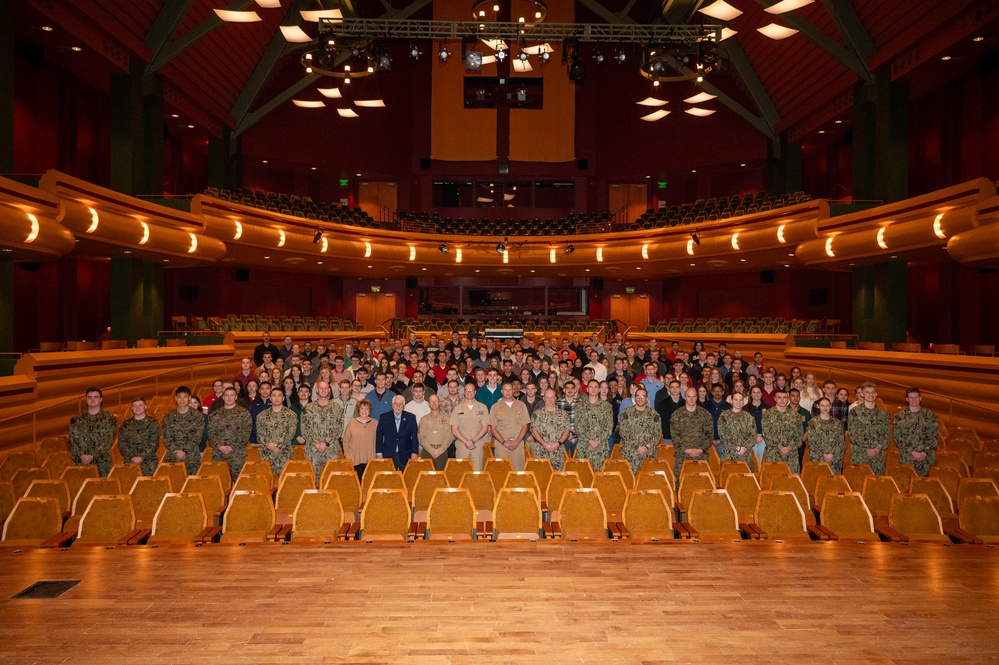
(630, 290)
(661, 184)
(344, 182)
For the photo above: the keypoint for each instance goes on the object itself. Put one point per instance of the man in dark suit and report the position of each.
(397, 435)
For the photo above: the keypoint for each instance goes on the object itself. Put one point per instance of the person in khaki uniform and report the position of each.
(435, 435)
(469, 424)
(509, 422)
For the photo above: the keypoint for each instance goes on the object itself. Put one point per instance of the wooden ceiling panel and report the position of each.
(140, 17)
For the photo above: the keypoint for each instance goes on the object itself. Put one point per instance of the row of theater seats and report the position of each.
(571, 224)
(751, 325)
(711, 501)
(296, 206)
(402, 327)
(262, 323)
(709, 210)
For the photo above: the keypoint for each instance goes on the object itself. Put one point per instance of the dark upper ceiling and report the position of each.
(797, 84)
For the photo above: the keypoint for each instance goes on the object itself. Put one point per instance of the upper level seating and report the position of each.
(571, 224)
(297, 206)
(402, 327)
(709, 210)
(759, 325)
(263, 323)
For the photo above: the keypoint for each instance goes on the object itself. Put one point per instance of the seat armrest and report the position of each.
(355, 527)
(209, 534)
(752, 531)
(273, 533)
(691, 531)
(821, 533)
(284, 533)
(891, 534)
(622, 530)
(965, 537)
(61, 539)
(138, 537)
(615, 532)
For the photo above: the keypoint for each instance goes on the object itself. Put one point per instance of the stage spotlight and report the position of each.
(569, 249)
(577, 71)
(696, 238)
(443, 54)
(621, 57)
(442, 248)
(501, 55)
(385, 62)
(415, 52)
(544, 56)
(599, 58)
(316, 238)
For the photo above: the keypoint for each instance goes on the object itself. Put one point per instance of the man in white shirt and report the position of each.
(418, 406)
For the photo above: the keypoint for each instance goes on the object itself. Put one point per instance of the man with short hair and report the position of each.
(229, 431)
(264, 347)
(276, 427)
(870, 430)
(917, 434)
(397, 436)
(651, 381)
(667, 402)
(322, 424)
(692, 430)
(509, 422)
(716, 405)
(286, 351)
(568, 403)
(345, 400)
(757, 368)
(435, 435)
(91, 434)
(549, 431)
(599, 371)
(490, 393)
(418, 406)
(783, 429)
(469, 425)
(381, 396)
(641, 430)
(183, 430)
(139, 437)
(737, 432)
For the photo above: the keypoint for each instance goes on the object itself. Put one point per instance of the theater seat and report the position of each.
(582, 515)
(32, 521)
(181, 518)
(517, 515)
(451, 515)
(318, 517)
(648, 516)
(386, 516)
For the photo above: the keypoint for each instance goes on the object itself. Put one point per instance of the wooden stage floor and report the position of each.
(545, 603)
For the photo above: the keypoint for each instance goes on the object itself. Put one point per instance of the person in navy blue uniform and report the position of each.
(397, 435)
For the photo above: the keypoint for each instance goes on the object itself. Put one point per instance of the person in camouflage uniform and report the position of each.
(870, 431)
(91, 434)
(737, 430)
(549, 431)
(276, 428)
(917, 434)
(782, 430)
(594, 426)
(139, 437)
(826, 442)
(641, 429)
(692, 428)
(229, 430)
(183, 430)
(322, 426)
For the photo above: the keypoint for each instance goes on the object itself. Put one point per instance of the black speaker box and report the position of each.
(598, 284)
(582, 164)
(766, 277)
(412, 283)
(242, 275)
(424, 162)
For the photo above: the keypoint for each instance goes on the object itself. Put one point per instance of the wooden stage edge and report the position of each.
(545, 602)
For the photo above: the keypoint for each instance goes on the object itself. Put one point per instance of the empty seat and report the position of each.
(498, 469)
(451, 515)
(979, 516)
(427, 483)
(126, 473)
(57, 489)
(743, 489)
(689, 484)
(517, 514)
(14, 461)
(657, 480)
(846, 516)
(76, 475)
(386, 515)
(249, 518)
(730, 467)
(32, 521)
(613, 493)
(810, 474)
(560, 482)
(480, 484)
(877, 493)
(373, 467)
(969, 487)
(524, 480)
(388, 480)
(942, 501)
(58, 462)
(91, 487)
(175, 471)
(348, 488)
(769, 470)
(827, 484)
(622, 467)
(220, 470)
(712, 516)
(455, 470)
(210, 489)
(647, 515)
(180, 518)
(582, 515)
(780, 516)
(147, 493)
(914, 516)
(335, 465)
(254, 483)
(108, 520)
(582, 468)
(542, 470)
(412, 473)
(318, 517)
(290, 491)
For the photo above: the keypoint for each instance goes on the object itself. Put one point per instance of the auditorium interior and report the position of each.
(815, 181)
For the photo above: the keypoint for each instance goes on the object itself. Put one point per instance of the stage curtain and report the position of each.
(549, 134)
(457, 133)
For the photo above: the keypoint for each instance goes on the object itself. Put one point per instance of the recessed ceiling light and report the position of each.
(313, 168)
(894, 256)
(839, 122)
(264, 161)
(822, 131)
(190, 126)
(945, 58)
(267, 257)
(637, 268)
(476, 270)
(48, 28)
(174, 115)
(166, 260)
(787, 265)
(743, 164)
(358, 175)
(976, 39)
(369, 266)
(693, 170)
(743, 260)
(75, 48)
(128, 251)
(531, 271)
(319, 262)
(692, 265)
(587, 270)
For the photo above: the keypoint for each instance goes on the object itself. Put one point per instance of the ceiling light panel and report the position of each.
(774, 31)
(231, 16)
(721, 10)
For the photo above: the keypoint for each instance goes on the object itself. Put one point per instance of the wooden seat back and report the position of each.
(14, 461)
(657, 480)
(57, 489)
(318, 516)
(846, 515)
(498, 469)
(250, 517)
(856, 474)
(622, 467)
(561, 482)
(451, 515)
(335, 465)
(810, 474)
(388, 480)
(902, 473)
(58, 462)
(877, 493)
(24, 476)
(348, 488)
(980, 516)
(712, 514)
(50, 445)
(175, 471)
(949, 477)
(828, 484)
(480, 484)
(525, 480)
(210, 489)
(290, 491)
(770, 469)
(386, 515)
(952, 460)
(582, 468)
(542, 470)
(147, 494)
(697, 466)
(423, 492)
(126, 473)
(648, 515)
(517, 514)
(613, 492)
(582, 515)
(455, 470)
(32, 521)
(658, 464)
(743, 489)
(914, 516)
(297, 466)
(107, 520)
(969, 487)
(180, 517)
(7, 499)
(933, 488)
(92, 487)
(730, 467)
(254, 483)
(781, 515)
(221, 471)
(412, 473)
(692, 482)
(374, 466)
(257, 468)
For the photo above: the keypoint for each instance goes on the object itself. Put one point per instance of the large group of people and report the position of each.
(401, 399)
